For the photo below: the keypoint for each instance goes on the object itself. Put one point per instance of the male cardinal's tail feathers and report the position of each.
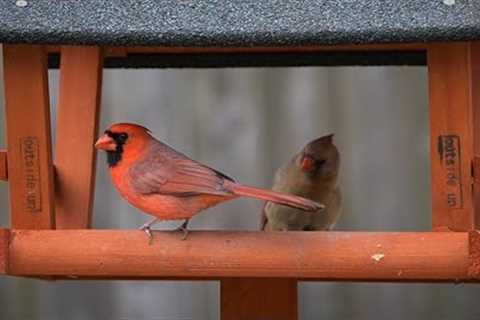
(280, 198)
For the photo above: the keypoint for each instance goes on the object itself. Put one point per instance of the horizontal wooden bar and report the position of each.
(123, 51)
(352, 256)
(3, 165)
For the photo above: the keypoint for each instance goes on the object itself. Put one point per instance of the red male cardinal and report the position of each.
(311, 173)
(167, 184)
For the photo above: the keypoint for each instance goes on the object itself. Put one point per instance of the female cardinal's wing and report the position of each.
(163, 170)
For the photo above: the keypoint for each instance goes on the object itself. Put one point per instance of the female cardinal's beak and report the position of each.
(307, 163)
(106, 143)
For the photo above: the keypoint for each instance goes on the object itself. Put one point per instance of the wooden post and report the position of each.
(454, 70)
(252, 299)
(30, 169)
(77, 129)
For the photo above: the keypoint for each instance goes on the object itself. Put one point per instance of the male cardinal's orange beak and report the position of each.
(105, 143)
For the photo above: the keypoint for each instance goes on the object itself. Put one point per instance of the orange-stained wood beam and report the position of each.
(254, 298)
(454, 76)
(474, 92)
(3, 165)
(123, 51)
(362, 256)
(30, 169)
(77, 129)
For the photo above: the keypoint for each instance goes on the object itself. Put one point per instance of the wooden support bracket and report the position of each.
(454, 70)
(30, 168)
(79, 104)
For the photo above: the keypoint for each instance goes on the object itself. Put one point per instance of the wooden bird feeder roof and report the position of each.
(246, 23)
(218, 27)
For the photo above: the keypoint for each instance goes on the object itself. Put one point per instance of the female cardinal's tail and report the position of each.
(277, 197)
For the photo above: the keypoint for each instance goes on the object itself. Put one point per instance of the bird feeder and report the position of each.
(51, 201)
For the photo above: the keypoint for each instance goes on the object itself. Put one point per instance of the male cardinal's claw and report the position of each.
(148, 231)
(183, 228)
(146, 228)
(150, 236)
(185, 233)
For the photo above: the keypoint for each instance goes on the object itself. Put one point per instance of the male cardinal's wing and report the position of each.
(163, 170)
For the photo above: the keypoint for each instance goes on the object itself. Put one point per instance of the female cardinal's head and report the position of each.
(123, 141)
(320, 158)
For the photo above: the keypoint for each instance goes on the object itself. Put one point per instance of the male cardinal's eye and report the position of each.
(123, 137)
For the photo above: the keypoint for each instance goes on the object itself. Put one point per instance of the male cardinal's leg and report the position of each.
(183, 227)
(147, 228)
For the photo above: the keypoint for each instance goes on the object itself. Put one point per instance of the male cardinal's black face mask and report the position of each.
(112, 143)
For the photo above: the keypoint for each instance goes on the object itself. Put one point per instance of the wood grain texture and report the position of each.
(3, 165)
(27, 109)
(258, 299)
(363, 256)
(4, 240)
(474, 255)
(476, 173)
(77, 129)
(453, 71)
(474, 59)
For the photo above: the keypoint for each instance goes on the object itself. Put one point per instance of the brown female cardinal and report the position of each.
(313, 174)
(167, 184)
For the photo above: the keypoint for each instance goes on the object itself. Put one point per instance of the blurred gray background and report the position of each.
(246, 122)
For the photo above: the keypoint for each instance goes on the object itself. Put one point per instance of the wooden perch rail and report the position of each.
(362, 256)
